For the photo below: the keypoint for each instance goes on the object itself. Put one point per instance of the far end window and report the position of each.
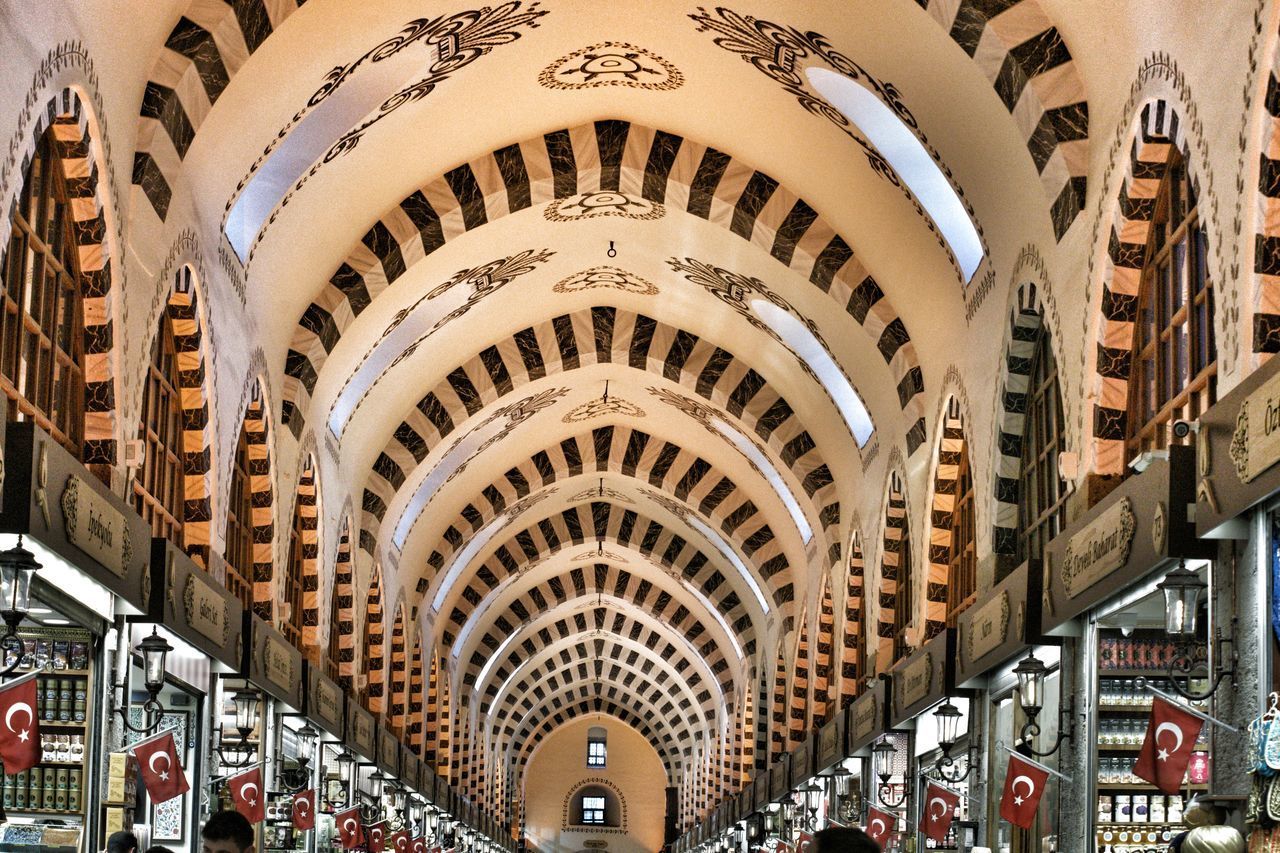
(597, 749)
(593, 810)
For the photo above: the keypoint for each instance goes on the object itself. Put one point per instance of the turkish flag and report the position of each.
(20, 735)
(939, 811)
(418, 845)
(1023, 788)
(247, 795)
(377, 837)
(803, 842)
(349, 831)
(400, 842)
(1171, 736)
(304, 810)
(160, 769)
(880, 825)
(781, 846)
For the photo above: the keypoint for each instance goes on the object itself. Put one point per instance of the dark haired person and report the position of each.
(227, 832)
(158, 849)
(122, 842)
(842, 839)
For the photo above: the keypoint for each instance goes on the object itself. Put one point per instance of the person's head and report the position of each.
(227, 832)
(122, 842)
(158, 849)
(843, 839)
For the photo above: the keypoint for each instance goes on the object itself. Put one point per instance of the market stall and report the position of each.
(325, 709)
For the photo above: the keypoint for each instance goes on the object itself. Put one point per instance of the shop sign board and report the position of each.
(923, 678)
(274, 665)
(780, 777)
(831, 742)
(360, 731)
(388, 750)
(324, 700)
(867, 717)
(190, 603)
(760, 790)
(408, 767)
(802, 761)
(1006, 623)
(1130, 533)
(52, 498)
(1237, 449)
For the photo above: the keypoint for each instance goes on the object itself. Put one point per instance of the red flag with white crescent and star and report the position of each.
(159, 767)
(1171, 737)
(376, 836)
(349, 831)
(880, 826)
(400, 842)
(20, 735)
(1023, 788)
(304, 810)
(803, 842)
(939, 811)
(247, 795)
(418, 845)
(781, 846)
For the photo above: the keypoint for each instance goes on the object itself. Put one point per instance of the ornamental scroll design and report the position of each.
(1239, 450)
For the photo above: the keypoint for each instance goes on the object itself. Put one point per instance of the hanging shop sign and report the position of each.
(780, 777)
(802, 761)
(760, 791)
(1130, 533)
(388, 759)
(51, 497)
(1005, 623)
(868, 717)
(324, 701)
(274, 665)
(923, 678)
(361, 731)
(190, 603)
(1238, 448)
(746, 805)
(831, 742)
(427, 782)
(408, 767)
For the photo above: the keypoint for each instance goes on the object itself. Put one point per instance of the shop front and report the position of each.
(362, 748)
(777, 823)
(324, 706)
(74, 566)
(829, 753)
(803, 805)
(1108, 583)
(866, 722)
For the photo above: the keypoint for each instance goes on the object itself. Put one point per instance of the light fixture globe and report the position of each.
(155, 654)
(948, 717)
(1182, 589)
(882, 755)
(246, 702)
(1031, 673)
(307, 738)
(843, 780)
(17, 565)
(345, 761)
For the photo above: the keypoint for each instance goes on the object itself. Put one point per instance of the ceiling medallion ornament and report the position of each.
(576, 208)
(598, 554)
(611, 63)
(600, 494)
(600, 408)
(609, 277)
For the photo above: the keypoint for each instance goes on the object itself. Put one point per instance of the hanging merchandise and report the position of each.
(349, 830)
(20, 735)
(1023, 786)
(304, 810)
(247, 796)
(160, 768)
(940, 811)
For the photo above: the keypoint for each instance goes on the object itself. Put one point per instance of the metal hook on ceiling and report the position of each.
(612, 252)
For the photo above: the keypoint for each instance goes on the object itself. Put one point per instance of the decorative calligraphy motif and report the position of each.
(1099, 549)
(1255, 444)
(206, 609)
(601, 408)
(915, 681)
(96, 527)
(609, 277)
(988, 628)
(611, 63)
(576, 208)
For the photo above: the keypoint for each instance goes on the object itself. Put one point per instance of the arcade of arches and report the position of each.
(599, 423)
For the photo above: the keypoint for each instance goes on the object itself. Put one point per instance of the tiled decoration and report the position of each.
(1016, 46)
(945, 471)
(373, 661)
(257, 428)
(345, 610)
(798, 710)
(895, 531)
(694, 483)
(611, 63)
(305, 507)
(1026, 321)
(852, 630)
(1159, 127)
(820, 707)
(398, 695)
(606, 277)
(184, 313)
(576, 525)
(1266, 251)
(605, 156)
(598, 335)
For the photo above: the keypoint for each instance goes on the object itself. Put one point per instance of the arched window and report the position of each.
(239, 540)
(597, 746)
(42, 324)
(962, 562)
(902, 601)
(159, 488)
(1175, 355)
(293, 582)
(1042, 510)
(595, 805)
(300, 571)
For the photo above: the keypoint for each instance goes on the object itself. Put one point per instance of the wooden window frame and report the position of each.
(294, 580)
(962, 563)
(239, 539)
(1042, 504)
(159, 488)
(903, 594)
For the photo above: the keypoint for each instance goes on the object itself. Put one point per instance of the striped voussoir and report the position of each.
(374, 658)
(822, 658)
(891, 561)
(344, 610)
(437, 717)
(778, 735)
(67, 121)
(620, 449)
(946, 471)
(614, 156)
(1019, 50)
(1026, 321)
(1266, 253)
(763, 720)
(258, 441)
(1159, 128)
(206, 48)
(851, 652)
(744, 735)
(531, 735)
(798, 712)
(574, 585)
(305, 507)
(399, 674)
(197, 429)
(573, 526)
(599, 335)
(417, 695)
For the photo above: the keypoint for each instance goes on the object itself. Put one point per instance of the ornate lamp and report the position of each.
(17, 566)
(246, 715)
(1031, 673)
(882, 756)
(948, 717)
(155, 653)
(1182, 590)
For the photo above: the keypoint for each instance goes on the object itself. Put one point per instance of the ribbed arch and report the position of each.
(304, 551)
(342, 614)
(398, 674)
(778, 732)
(820, 706)
(895, 577)
(853, 635)
(952, 452)
(373, 661)
(255, 433)
(522, 748)
(798, 705)
(417, 697)
(439, 717)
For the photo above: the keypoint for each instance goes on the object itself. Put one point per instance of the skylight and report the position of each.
(801, 341)
(897, 144)
(748, 448)
(732, 556)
